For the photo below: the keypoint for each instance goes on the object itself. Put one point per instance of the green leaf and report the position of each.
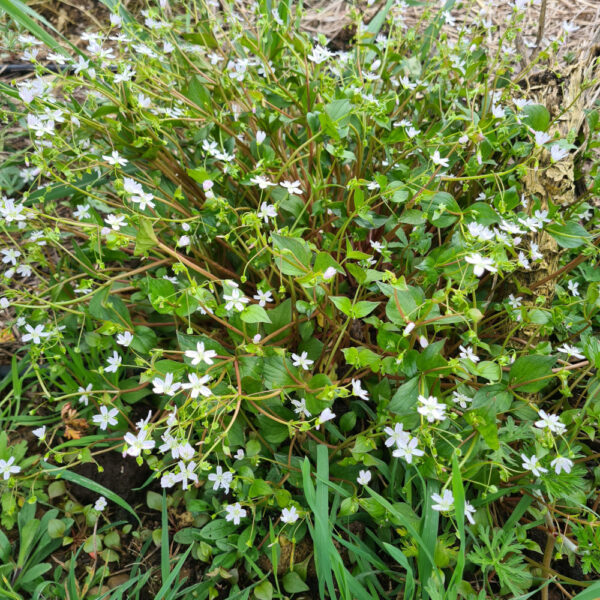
(404, 400)
(258, 488)
(145, 238)
(292, 583)
(154, 500)
(338, 109)
(439, 206)
(488, 370)
(570, 235)
(378, 20)
(255, 314)
(363, 308)
(529, 374)
(264, 591)
(56, 528)
(218, 529)
(342, 303)
(187, 535)
(591, 593)
(198, 93)
(161, 293)
(144, 339)
(483, 420)
(292, 255)
(536, 116)
(106, 307)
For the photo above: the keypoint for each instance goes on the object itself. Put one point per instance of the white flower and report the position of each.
(571, 351)
(40, 432)
(431, 409)
(168, 480)
(239, 455)
(144, 200)
(267, 211)
(166, 385)
(405, 81)
(533, 464)
(201, 355)
(408, 449)
(262, 182)
(480, 232)
(573, 287)
(235, 512)
(468, 353)
(326, 415)
(535, 252)
(184, 241)
(35, 334)
(561, 463)
(115, 159)
(329, 273)
(541, 137)
(292, 187)
(186, 472)
(357, 390)
(260, 137)
(300, 408)
(143, 100)
(461, 399)
(137, 443)
(289, 515)
(569, 27)
(377, 246)
(263, 297)
(221, 479)
(105, 417)
(84, 393)
(131, 186)
(397, 435)
(100, 504)
(409, 327)
(444, 503)
(10, 256)
(514, 302)
(469, 512)
(550, 422)
(114, 362)
(363, 477)
(184, 451)
(481, 264)
(196, 385)
(319, 54)
(235, 300)
(125, 338)
(7, 468)
(523, 261)
(498, 112)
(437, 160)
(557, 153)
(302, 361)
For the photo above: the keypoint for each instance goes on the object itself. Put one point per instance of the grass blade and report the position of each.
(24, 16)
(459, 502)
(90, 485)
(164, 540)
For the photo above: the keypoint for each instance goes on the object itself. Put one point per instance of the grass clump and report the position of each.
(314, 296)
